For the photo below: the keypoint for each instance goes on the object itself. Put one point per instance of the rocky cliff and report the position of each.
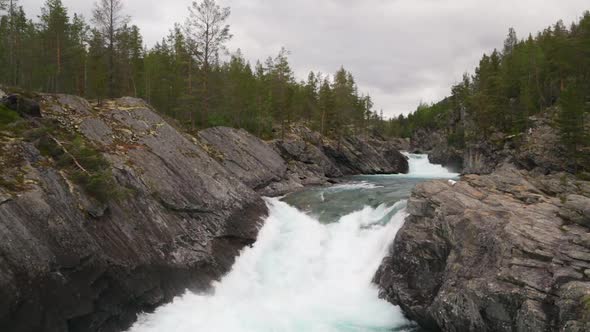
(302, 158)
(70, 262)
(107, 210)
(508, 251)
(539, 148)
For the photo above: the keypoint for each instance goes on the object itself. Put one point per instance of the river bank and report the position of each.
(108, 210)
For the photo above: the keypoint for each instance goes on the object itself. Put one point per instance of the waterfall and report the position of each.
(301, 275)
(420, 167)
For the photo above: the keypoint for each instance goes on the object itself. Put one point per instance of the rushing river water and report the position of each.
(311, 268)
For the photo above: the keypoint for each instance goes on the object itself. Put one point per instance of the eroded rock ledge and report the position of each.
(508, 251)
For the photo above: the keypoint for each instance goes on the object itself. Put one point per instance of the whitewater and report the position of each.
(303, 274)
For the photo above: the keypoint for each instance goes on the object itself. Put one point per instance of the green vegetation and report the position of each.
(81, 161)
(184, 76)
(524, 79)
(78, 158)
(586, 305)
(7, 117)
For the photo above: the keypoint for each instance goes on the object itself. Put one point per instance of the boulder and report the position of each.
(491, 254)
(22, 105)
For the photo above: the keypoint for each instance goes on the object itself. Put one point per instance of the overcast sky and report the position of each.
(400, 51)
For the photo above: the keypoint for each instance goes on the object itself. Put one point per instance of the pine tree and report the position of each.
(109, 20)
(54, 32)
(97, 66)
(571, 122)
(310, 92)
(207, 32)
(326, 106)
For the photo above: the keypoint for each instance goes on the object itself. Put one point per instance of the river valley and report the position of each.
(312, 266)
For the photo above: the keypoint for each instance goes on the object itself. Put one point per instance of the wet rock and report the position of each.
(491, 254)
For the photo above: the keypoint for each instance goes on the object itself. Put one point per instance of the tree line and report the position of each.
(527, 77)
(187, 75)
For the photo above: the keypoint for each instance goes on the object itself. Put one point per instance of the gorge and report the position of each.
(312, 266)
(506, 251)
(88, 242)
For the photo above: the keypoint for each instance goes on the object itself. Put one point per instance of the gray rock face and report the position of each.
(68, 263)
(490, 253)
(355, 155)
(247, 157)
(301, 159)
(539, 149)
(576, 209)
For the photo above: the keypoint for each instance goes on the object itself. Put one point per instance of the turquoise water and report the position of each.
(312, 266)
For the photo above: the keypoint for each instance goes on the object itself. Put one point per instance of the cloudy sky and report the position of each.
(400, 51)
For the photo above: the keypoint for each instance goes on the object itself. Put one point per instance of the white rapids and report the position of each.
(300, 275)
(420, 167)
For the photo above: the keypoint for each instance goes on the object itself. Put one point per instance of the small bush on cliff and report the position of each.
(10, 120)
(7, 116)
(85, 165)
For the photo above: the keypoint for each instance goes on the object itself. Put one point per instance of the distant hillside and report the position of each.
(513, 86)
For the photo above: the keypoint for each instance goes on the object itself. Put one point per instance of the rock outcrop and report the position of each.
(349, 155)
(508, 251)
(538, 148)
(250, 159)
(71, 263)
(302, 158)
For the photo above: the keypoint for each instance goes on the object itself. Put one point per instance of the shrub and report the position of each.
(78, 158)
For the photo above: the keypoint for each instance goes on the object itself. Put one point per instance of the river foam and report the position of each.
(420, 167)
(301, 275)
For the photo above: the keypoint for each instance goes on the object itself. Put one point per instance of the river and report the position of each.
(311, 268)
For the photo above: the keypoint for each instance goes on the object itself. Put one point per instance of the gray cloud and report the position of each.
(400, 51)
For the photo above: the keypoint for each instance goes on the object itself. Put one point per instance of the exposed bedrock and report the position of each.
(302, 158)
(508, 251)
(70, 263)
(538, 148)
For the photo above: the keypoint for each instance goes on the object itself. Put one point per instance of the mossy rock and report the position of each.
(7, 117)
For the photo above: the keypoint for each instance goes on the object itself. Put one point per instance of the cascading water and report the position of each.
(308, 271)
(420, 167)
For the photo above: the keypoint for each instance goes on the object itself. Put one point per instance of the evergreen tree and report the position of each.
(571, 122)
(109, 20)
(207, 33)
(54, 32)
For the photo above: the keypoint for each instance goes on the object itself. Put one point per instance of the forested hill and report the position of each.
(184, 76)
(546, 75)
